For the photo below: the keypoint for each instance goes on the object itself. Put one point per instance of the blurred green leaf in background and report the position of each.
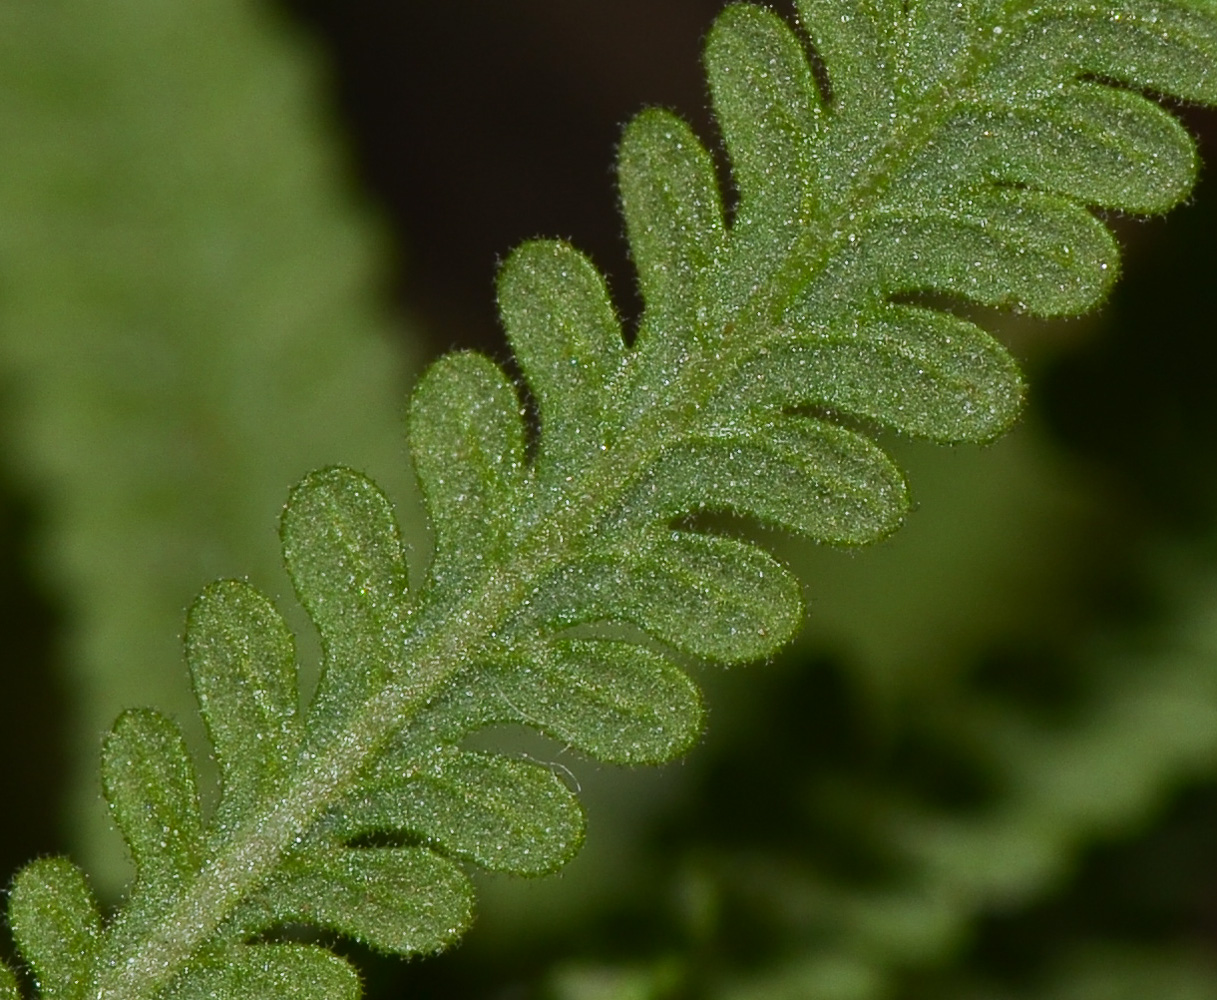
(193, 314)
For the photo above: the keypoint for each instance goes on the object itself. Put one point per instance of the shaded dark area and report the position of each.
(1140, 401)
(32, 705)
(1139, 406)
(478, 126)
(1159, 888)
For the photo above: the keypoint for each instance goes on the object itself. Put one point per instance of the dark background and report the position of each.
(477, 126)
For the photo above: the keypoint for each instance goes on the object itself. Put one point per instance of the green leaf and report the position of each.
(709, 596)
(673, 216)
(467, 438)
(613, 700)
(1093, 143)
(769, 346)
(56, 926)
(1014, 249)
(148, 779)
(9, 989)
(939, 46)
(854, 39)
(807, 476)
(768, 107)
(505, 815)
(565, 335)
(408, 900)
(344, 554)
(914, 370)
(1164, 48)
(243, 663)
(269, 972)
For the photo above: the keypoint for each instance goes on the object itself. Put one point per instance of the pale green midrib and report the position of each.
(817, 246)
(147, 967)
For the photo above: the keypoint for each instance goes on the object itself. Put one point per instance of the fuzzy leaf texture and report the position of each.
(953, 155)
(8, 984)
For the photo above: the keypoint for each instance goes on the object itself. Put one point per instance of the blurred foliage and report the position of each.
(191, 317)
(989, 770)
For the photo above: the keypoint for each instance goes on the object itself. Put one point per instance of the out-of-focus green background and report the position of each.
(231, 232)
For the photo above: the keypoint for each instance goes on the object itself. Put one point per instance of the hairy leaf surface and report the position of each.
(270, 972)
(505, 815)
(402, 900)
(243, 663)
(148, 779)
(8, 984)
(56, 925)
